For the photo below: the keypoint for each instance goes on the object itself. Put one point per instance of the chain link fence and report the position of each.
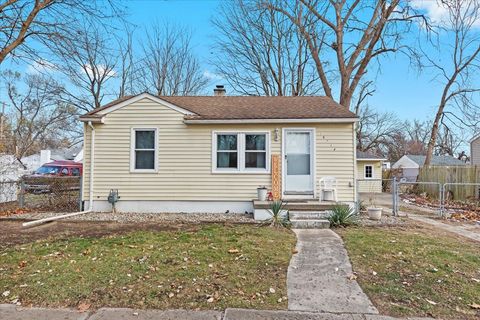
(40, 194)
(434, 197)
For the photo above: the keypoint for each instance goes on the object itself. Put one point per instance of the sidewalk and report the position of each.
(11, 312)
(320, 276)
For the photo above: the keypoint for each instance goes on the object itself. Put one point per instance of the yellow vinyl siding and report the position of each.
(369, 186)
(185, 157)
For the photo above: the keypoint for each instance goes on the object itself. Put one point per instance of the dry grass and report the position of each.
(416, 271)
(209, 267)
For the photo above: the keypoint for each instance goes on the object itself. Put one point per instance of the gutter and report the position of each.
(263, 121)
(90, 189)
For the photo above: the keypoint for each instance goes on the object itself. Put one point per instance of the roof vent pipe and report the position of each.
(219, 91)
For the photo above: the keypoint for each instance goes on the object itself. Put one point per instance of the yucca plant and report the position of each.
(277, 207)
(343, 216)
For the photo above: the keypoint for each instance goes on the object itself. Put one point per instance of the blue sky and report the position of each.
(399, 88)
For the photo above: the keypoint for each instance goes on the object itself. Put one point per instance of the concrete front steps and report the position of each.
(303, 213)
(309, 219)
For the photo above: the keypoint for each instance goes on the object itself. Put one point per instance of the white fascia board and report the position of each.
(366, 159)
(311, 120)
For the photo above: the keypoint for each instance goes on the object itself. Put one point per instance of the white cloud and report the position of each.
(436, 11)
(212, 76)
(101, 70)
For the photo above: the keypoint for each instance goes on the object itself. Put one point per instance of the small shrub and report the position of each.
(343, 216)
(276, 210)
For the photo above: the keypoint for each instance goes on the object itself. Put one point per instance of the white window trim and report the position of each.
(241, 153)
(365, 171)
(132, 150)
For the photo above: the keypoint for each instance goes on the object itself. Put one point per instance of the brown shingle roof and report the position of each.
(253, 107)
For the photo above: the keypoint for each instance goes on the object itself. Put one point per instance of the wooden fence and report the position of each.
(453, 174)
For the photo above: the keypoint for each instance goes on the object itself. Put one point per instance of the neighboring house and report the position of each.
(411, 164)
(475, 150)
(10, 172)
(369, 172)
(211, 153)
(35, 161)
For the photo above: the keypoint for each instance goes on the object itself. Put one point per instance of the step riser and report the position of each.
(310, 224)
(317, 216)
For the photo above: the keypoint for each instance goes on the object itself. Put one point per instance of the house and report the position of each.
(475, 150)
(211, 153)
(35, 161)
(411, 164)
(369, 172)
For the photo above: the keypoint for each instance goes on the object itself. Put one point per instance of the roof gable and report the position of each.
(128, 100)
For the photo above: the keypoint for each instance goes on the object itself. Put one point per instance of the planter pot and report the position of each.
(262, 194)
(374, 213)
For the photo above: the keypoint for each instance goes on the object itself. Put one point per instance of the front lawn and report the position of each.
(416, 271)
(205, 267)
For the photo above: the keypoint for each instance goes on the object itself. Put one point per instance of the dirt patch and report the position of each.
(12, 232)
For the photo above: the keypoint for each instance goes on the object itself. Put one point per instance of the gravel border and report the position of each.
(132, 217)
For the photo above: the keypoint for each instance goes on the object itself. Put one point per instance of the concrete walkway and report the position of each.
(471, 232)
(318, 277)
(12, 312)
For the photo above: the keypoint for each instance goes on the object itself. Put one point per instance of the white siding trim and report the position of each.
(132, 150)
(241, 152)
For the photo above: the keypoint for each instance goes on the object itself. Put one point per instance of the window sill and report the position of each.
(144, 171)
(263, 172)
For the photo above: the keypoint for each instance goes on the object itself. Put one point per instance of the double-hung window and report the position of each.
(241, 152)
(144, 150)
(368, 171)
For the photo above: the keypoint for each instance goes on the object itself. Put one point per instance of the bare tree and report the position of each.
(345, 37)
(35, 112)
(461, 66)
(125, 69)
(89, 64)
(169, 66)
(260, 52)
(375, 130)
(27, 26)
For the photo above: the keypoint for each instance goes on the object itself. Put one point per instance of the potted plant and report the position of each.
(374, 212)
(262, 193)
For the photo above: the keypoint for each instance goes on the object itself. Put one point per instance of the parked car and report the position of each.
(60, 168)
(53, 176)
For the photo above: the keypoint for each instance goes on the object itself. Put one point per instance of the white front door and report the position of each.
(298, 165)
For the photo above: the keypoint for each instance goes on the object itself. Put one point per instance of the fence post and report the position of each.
(441, 195)
(80, 194)
(21, 196)
(394, 196)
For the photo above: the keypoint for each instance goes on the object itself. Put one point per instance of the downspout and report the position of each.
(90, 190)
(92, 159)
